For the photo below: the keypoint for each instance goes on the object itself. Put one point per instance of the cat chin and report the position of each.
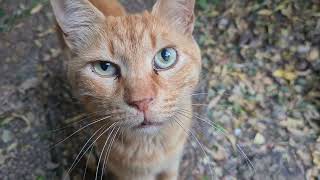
(149, 130)
(139, 128)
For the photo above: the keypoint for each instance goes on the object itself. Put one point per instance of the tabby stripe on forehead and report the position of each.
(131, 32)
(153, 40)
(111, 48)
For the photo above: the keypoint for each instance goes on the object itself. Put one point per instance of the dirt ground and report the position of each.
(260, 87)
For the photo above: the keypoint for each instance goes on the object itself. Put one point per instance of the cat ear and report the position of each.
(78, 19)
(178, 12)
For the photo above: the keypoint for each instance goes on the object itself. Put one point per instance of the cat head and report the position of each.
(140, 69)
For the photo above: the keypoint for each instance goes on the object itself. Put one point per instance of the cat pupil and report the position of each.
(165, 54)
(104, 65)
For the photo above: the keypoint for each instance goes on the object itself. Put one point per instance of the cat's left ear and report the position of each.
(180, 13)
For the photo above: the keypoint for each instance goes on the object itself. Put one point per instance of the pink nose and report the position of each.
(141, 105)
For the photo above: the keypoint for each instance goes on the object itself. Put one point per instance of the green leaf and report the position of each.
(40, 178)
(2, 13)
(202, 4)
(205, 178)
(215, 2)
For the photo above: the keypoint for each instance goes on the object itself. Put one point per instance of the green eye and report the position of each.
(105, 68)
(165, 59)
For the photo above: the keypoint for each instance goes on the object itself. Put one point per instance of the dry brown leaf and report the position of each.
(36, 9)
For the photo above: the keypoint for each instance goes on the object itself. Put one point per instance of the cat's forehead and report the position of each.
(135, 35)
(135, 24)
(134, 30)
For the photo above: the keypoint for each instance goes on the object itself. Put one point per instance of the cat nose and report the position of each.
(141, 105)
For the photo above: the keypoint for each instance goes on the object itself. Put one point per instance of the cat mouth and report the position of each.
(148, 124)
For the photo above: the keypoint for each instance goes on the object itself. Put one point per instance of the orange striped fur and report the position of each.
(101, 30)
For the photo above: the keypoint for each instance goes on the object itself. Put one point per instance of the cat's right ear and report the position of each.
(179, 13)
(78, 20)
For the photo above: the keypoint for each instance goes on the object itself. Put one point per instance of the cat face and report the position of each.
(139, 69)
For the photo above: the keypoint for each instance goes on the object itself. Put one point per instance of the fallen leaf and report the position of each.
(313, 54)
(265, 12)
(292, 123)
(215, 101)
(7, 136)
(259, 139)
(316, 158)
(288, 75)
(36, 9)
(219, 154)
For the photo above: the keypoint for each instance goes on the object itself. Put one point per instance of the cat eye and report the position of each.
(106, 69)
(165, 59)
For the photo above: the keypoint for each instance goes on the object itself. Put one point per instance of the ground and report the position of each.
(259, 87)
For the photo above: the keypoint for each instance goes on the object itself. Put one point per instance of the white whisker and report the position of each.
(102, 152)
(195, 94)
(223, 132)
(106, 157)
(199, 104)
(86, 117)
(78, 158)
(85, 170)
(197, 140)
(214, 125)
(246, 158)
(90, 124)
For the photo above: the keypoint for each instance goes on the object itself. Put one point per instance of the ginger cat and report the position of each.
(137, 73)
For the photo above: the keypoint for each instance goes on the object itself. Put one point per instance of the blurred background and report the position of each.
(260, 85)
